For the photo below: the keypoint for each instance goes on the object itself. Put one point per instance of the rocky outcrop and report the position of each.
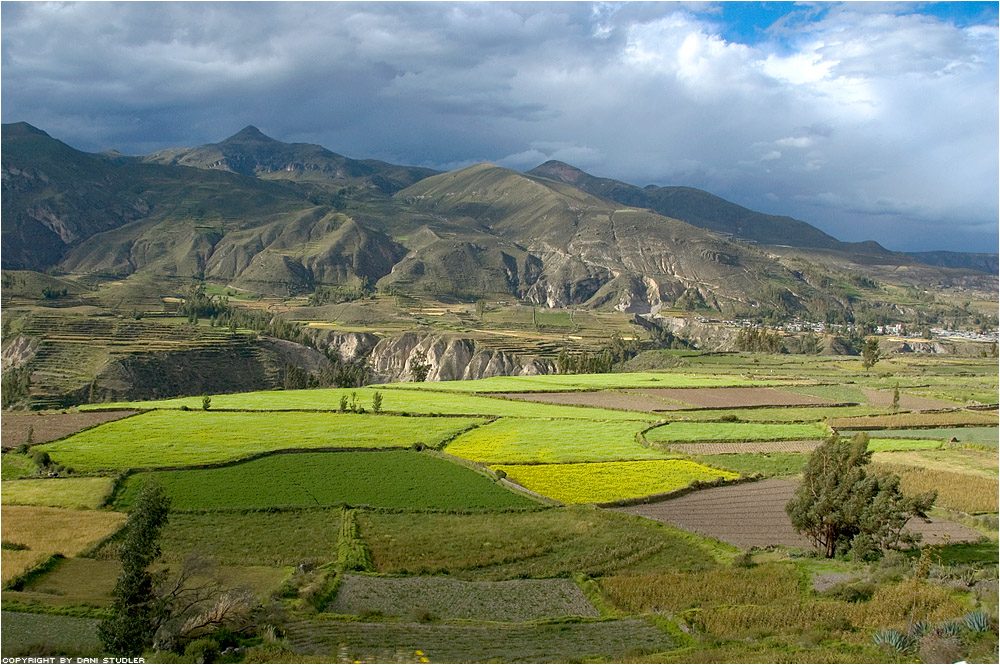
(18, 352)
(450, 358)
(350, 347)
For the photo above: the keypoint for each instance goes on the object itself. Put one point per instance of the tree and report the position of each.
(419, 367)
(870, 353)
(206, 403)
(131, 622)
(895, 399)
(841, 507)
(376, 401)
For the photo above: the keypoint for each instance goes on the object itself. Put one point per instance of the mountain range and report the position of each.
(280, 218)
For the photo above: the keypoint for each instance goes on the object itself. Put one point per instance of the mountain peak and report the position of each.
(249, 133)
(22, 129)
(556, 170)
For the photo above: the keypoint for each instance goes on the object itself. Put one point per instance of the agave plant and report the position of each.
(949, 628)
(977, 621)
(920, 628)
(894, 640)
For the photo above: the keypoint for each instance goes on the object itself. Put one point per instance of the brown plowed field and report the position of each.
(49, 427)
(602, 399)
(674, 399)
(737, 448)
(753, 515)
(907, 402)
(731, 398)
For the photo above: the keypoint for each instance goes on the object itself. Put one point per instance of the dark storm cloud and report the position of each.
(871, 122)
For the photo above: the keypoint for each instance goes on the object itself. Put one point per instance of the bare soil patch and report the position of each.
(602, 399)
(50, 426)
(741, 447)
(732, 398)
(906, 402)
(753, 515)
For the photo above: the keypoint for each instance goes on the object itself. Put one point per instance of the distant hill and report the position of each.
(988, 263)
(699, 208)
(250, 152)
(279, 219)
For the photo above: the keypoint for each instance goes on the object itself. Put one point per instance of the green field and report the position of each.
(182, 438)
(881, 444)
(13, 466)
(977, 436)
(766, 464)
(57, 492)
(556, 542)
(25, 634)
(593, 641)
(528, 440)
(677, 432)
(394, 479)
(423, 398)
(446, 598)
(283, 538)
(786, 414)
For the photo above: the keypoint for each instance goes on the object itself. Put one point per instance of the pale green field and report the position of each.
(57, 492)
(694, 431)
(527, 440)
(394, 400)
(178, 438)
(609, 481)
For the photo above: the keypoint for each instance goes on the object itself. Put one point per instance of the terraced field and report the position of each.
(278, 489)
(393, 479)
(184, 438)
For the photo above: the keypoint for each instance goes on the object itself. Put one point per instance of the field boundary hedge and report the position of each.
(666, 496)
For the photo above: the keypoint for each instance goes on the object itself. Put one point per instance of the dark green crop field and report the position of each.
(393, 479)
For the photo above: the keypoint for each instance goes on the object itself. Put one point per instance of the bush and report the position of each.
(202, 650)
(206, 403)
(852, 592)
(743, 560)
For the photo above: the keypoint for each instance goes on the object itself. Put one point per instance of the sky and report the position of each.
(871, 121)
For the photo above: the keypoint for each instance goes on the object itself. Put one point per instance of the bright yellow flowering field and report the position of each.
(597, 482)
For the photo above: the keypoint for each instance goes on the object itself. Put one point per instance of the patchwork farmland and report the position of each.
(612, 517)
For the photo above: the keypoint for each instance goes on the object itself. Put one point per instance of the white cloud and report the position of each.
(859, 112)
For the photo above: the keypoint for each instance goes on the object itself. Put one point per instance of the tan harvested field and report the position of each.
(50, 426)
(915, 420)
(58, 530)
(732, 398)
(16, 562)
(604, 399)
(740, 447)
(906, 402)
(753, 515)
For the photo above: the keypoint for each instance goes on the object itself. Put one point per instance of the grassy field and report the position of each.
(549, 543)
(528, 440)
(601, 641)
(284, 538)
(16, 466)
(57, 530)
(418, 400)
(57, 492)
(977, 436)
(766, 464)
(787, 414)
(24, 634)
(685, 431)
(599, 482)
(395, 479)
(955, 490)
(884, 444)
(182, 438)
(445, 598)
